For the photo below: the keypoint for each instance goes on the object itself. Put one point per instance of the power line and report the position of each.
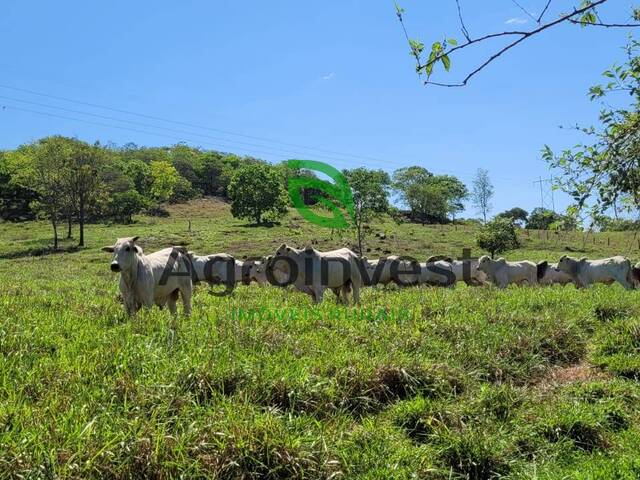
(172, 130)
(259, 149)
(186, 124)
(525, 11)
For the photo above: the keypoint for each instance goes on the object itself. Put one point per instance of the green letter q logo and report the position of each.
(340, 191)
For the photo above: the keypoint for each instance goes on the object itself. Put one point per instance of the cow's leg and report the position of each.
(171, 302)
(622, 280)
(318, 294)
(356, 293)
(336, 291)
(186, 300)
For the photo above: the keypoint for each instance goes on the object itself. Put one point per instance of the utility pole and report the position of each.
(545, 196)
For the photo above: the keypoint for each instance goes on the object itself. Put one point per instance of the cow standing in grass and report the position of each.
(312, 272)
(548, 274)
(220, 269)
(585, 272)
(158, 278)
(501, 273)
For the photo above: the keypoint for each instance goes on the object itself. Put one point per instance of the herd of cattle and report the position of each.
(161, 277)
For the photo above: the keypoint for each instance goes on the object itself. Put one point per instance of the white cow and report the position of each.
(342, 271)
(258, 272)
(155, 278)
(456, 267)
(501, 273)
(383, 271)
(214, 269)
(584, 272)
(548, 274)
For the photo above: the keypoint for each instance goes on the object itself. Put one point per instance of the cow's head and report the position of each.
(567, 264)
(483, 263)
(283, 249)
(124, 253)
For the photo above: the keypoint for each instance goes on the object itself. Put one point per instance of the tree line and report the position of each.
(69, 182)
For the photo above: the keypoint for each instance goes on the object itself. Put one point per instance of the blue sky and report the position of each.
(332, 75)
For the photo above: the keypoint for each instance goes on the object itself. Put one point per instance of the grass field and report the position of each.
(414, 383)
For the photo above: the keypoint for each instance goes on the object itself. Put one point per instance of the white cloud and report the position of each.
(329, 76)
(516, 21)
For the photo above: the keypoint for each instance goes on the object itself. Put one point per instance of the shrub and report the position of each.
(497, 236)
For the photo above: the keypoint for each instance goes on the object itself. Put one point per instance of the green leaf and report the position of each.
(452, 41)
(446, 62)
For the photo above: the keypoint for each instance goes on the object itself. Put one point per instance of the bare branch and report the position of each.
(465, 32)
(546, 7)
(603, 24)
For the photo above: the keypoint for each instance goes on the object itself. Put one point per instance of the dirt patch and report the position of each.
(560, 376)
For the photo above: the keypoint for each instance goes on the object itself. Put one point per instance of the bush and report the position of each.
(497, 236)
(123, 205)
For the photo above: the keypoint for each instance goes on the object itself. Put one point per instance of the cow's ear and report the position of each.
(107, 249)
(543, 264)
(501, 260)
(135, 239)
(308, 249)
(583, 259)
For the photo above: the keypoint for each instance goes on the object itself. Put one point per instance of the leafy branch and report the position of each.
(442, 51)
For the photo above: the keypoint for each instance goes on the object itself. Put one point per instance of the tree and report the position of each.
(541, 219)
(14, 199)
(498, 236)
(43, 167)
(83, 182)
(404, 178)
(456, 193)
(370, 197)
(427, 201)
(430, 197)
(442, 51)
(517, 215)
(164, 180)
(123, 205)
(482, 193)
(601, 172)
(257, 191)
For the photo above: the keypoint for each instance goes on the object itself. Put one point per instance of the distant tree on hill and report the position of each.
(427, 201)
(164, 180)
(482, 193)
(498, 236)
(517, 215)
(431, 198)
(123, 205)
(257, 193)
(542, 219)
(370, 197)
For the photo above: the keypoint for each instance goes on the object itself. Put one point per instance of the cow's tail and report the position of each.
(542, 270)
